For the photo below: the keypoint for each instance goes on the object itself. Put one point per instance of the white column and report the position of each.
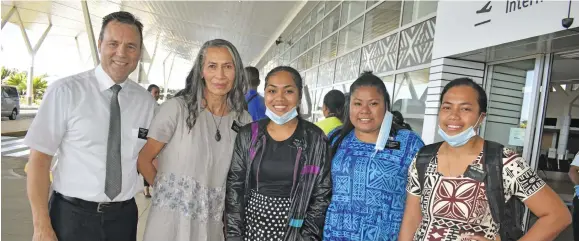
(32, 52)
(442, 71)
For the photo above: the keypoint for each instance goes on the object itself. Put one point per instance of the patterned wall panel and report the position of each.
(380, 56)
(326, 73)
(347, 67)
(416, 44)
(311, 77)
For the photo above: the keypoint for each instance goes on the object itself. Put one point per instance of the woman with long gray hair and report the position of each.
(193, 136)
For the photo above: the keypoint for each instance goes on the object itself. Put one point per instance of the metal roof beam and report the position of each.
(90, 33)
(8, 16)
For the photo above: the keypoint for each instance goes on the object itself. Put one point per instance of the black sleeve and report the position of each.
(313, 228)
(235, 188)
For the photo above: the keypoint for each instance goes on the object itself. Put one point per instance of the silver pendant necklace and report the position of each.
(217, 133)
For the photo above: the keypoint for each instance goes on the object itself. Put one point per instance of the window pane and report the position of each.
(286, 58)
(414, 10)
(311, 78)
(331, 22)
(316, 34)
(304, 43)
(350, 10)
(316, 55)
(326, 74)
(294, 64)
(410, 97)
(295, 50)
(382, 19)
(307, 23)
(301, 63)
(389, 82)
(329, 48)
(370, 3)
(330, 5)
(320, 11)
(350, 36)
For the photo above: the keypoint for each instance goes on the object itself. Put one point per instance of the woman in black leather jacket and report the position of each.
(279, 184)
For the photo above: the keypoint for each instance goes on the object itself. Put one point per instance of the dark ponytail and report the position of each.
(398, 119)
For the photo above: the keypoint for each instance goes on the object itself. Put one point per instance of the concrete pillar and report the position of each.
(30, 83)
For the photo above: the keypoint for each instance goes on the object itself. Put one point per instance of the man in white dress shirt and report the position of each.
(97, 122)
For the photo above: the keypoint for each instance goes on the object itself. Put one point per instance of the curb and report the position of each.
(13, 173)
(15, 134)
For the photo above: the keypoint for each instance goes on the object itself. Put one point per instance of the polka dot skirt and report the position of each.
(266, 217)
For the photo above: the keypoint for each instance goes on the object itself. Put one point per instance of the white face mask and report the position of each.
(459, 139)
(280, 120)
(384, 134)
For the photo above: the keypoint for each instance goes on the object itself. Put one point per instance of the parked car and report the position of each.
(10, 102)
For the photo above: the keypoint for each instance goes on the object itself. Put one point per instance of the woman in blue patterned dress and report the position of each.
(369, 168)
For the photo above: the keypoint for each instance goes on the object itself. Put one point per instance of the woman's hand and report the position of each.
(479, 238)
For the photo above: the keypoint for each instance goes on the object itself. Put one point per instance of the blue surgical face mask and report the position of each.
(459, 139)
(280, 120)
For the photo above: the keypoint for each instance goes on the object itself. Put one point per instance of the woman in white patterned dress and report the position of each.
(193, 135)
(449, 202)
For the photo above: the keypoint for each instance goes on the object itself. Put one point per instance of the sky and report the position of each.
(59, 57)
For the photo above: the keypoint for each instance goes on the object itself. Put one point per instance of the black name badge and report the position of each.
(393, 145)
(475, 173)
(235, 126)
(143, 133)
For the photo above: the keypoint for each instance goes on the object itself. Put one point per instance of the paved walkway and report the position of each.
(16, 215)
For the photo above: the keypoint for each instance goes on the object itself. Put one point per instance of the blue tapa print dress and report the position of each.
(369, 193)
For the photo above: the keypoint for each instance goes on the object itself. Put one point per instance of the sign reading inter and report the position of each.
(514, 5)
(463, 26)
(510, 6)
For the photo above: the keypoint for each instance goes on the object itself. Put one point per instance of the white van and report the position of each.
(10, 102)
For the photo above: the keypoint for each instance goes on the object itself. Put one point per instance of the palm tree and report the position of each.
(19, 79)
(6, 72)
(39, 85)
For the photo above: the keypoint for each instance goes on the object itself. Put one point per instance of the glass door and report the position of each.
(512, 92)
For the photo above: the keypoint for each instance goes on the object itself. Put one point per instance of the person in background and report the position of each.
(574, 176)
(192, 136)
(155, 91)
(332, 109)
(399, 119)
(371, 159)
(447, 187)
(279, 183)
(97, 121)
(255, 102)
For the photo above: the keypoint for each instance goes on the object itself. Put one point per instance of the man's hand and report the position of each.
(44, 234)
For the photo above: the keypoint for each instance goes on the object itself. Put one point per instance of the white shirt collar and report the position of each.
(104, 80)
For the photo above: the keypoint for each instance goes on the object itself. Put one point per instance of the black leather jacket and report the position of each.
(311, 197)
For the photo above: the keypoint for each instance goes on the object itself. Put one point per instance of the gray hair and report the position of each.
(195, 84)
